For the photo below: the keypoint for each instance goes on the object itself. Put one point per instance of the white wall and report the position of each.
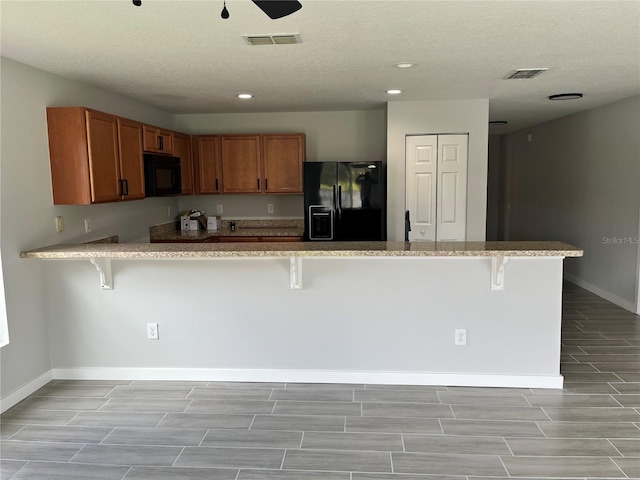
(444, 116)
(578, 181)
(28, 212)
(338, 136)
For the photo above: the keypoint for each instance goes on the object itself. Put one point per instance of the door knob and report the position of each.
(421, 232)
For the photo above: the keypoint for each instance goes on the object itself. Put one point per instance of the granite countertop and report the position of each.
(305, 249)
(202, 235)
(244, 228)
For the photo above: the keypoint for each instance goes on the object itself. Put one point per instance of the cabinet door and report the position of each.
(166, 141)
(182, 149)
(69, 155)
(150, 140)
(241, 167)
(156, 140)
(209, 164)
(282, 157)
(102, 134)
(131, 165)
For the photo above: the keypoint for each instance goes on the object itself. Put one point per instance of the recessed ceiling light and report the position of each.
(245, 95)
(566, 96)
(498, 122)
(394, 92)
(405, 65)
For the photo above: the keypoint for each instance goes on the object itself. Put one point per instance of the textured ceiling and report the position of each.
(180, 56)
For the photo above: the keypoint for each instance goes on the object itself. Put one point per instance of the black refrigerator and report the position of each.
(344, 201)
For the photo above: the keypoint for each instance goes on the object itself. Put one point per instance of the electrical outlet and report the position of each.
(218, 208)
(87, 225)
(270, 208)
(461, 336)
(152, 331)
(59, 224)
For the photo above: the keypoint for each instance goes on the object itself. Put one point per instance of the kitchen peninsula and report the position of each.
(353, 312)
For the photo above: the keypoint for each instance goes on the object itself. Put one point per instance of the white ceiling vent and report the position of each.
(276, 39)
(525, 73)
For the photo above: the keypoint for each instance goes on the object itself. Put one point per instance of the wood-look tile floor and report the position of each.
(106, 430)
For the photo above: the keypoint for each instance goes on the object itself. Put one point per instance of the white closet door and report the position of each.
(421, 180)
(451, 190)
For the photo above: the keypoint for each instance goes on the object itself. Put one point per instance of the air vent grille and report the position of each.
(276, 39)
(525, 73)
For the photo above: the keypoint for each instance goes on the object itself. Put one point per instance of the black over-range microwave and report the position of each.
(161, 175)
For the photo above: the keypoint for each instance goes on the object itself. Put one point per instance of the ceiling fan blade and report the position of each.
(278, 8)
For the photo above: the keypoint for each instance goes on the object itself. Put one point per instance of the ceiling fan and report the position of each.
(273, 8)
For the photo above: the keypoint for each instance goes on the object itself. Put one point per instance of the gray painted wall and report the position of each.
(578, 181)
(28, 212)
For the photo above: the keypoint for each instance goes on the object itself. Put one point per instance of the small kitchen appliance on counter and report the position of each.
(344, 201)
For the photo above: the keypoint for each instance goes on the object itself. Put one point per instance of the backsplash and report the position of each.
(237, 207)
(245, 223)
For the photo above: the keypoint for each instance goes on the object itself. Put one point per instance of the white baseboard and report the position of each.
(310, 376)
(283, 376)
(24, 391)
(621, 302)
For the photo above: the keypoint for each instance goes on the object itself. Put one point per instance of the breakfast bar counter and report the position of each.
(458, 313)
(305, 249)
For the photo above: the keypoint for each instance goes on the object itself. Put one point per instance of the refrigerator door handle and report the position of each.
(407, 225)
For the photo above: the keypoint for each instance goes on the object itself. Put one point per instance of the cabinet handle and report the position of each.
(120, 188)
(266, 184)
(258, 184)
(160, 142)
(126, 187)
(216, 184)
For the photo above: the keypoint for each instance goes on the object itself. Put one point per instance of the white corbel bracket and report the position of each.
(103, 265)
(497, 272)
(295, 273)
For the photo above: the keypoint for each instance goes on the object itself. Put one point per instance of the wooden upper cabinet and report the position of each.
(104, 166)
(92, 154)
(241, 164)
(182, 150)
(131, 164)
(208, 176)
(282, 157)
(156, 140)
